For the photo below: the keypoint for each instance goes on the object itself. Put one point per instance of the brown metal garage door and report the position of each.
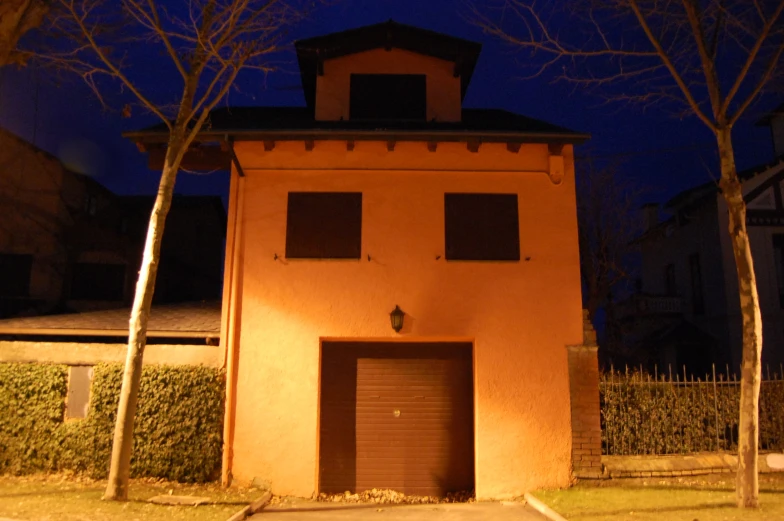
(397, 416)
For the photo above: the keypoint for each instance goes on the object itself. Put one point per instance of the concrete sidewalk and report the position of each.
(312, 511)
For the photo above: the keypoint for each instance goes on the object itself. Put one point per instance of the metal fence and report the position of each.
(678, 413)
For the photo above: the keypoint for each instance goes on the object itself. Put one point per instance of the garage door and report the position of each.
(396, 416)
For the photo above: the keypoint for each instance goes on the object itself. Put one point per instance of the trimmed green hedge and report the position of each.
(177, 435)
(640, 415)
(31, 411)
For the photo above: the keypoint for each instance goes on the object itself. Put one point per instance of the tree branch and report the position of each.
(766, 75)
(670, 66)
(99, 52)
(750, 60)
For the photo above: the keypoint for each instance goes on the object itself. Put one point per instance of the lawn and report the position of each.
(698, 498)
(70, 498)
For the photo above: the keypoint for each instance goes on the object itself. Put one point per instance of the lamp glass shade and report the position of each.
(396, 316)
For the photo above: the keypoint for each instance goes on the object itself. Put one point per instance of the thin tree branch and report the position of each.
(708, 66)
(87, 33)
(766, 75)
(763, 35)
(671, 67)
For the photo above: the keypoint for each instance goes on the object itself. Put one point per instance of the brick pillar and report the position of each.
(584, 391)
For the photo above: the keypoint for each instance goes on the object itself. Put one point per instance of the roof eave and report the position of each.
(573, 138)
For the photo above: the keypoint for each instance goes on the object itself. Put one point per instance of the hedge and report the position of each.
(640, 415)
(177, 435)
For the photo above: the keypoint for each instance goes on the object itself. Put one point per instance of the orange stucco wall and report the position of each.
(520, 315)
(443, 88)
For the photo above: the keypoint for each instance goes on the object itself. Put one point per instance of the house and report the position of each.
(402, 278)
(688, 269)
(68, 243)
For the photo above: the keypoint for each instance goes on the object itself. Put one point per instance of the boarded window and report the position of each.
(97, 281)
(388, 96)
(324, 225)
(15, 273)
(482, 227)
(80, 379)
(697, 297)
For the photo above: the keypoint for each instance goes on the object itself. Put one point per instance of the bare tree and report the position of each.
(16, 18)
(205, 43)
(607, 220)
(709, 58)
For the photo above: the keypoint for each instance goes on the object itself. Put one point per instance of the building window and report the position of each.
(697, 297)
(670, 287)
(388, 96)
(122, 228)
(324, 225)
(80, 379)
(15, 271)
(97, 281)
(90, 205)
(778, 259)
(482, 227)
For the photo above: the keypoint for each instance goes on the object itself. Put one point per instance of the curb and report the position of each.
(254, 508)
(542, 508)
(242, 514)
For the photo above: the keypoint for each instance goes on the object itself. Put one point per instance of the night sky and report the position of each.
(661, 153)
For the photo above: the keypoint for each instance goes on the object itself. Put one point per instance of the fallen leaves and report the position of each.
(386, 496)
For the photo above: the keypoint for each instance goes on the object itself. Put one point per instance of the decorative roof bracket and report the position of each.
(556, 171)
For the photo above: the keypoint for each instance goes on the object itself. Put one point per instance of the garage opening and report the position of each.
(396, 416)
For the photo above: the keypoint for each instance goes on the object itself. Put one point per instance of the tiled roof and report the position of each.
(171, 320)
(700, 193)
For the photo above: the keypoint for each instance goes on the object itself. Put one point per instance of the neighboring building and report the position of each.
(384, 194)
(68, 243)
(688, 269)
(191, 266)
(42, 202)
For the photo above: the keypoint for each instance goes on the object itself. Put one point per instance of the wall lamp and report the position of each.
(396, 317)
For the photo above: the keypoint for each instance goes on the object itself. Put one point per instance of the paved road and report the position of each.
(446, 512)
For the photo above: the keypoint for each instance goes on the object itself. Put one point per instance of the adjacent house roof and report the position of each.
(191, 319)
(700, 193)
(298, 123)
(312, 52)
(765, 120)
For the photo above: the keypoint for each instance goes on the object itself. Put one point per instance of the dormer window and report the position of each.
(388, 97)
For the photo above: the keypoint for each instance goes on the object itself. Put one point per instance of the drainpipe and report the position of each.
(232, 319)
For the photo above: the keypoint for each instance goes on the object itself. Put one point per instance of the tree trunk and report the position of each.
(747, 483)
(119, 472)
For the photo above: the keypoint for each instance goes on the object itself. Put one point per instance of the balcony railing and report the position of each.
(642, 305)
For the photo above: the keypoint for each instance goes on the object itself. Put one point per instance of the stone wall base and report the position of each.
(80, 353)
(683, 465)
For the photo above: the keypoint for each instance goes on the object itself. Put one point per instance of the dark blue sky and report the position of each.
(662, 153)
